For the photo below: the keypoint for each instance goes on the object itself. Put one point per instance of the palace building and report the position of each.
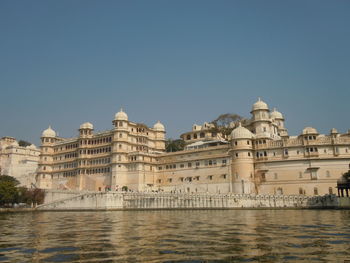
(18, 161)
(259, 157)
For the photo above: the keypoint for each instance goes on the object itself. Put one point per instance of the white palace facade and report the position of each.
(259, 157)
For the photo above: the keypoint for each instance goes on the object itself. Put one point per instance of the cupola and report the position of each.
(260, 105)
(49, 133)
(159, 126)
(241, 133)
(121, 116)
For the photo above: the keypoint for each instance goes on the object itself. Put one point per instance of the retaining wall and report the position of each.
(119, 200)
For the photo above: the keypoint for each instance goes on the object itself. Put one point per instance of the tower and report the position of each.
(261, 122)
(242, 161)
(278, 121)
(159, 136)
(44, 176)
(120, 149)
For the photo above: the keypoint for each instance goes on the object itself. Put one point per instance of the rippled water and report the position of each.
(176, 236)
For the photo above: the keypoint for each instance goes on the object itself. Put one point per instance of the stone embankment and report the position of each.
(65, 200)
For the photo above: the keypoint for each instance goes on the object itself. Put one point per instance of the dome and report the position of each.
(87, 125)
(49, 133)
(334, 131)
(310, 130)
(260, 105)
(241, 133)
(276, 115)
(121, 116)
(32, 146)
(159, 126)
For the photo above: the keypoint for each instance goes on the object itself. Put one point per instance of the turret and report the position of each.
(242, 160)
(44, 176)
(278, 121)
(159, 135)
(261, 119)
(86, 129)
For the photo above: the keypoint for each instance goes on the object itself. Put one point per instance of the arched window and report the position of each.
(301, 191)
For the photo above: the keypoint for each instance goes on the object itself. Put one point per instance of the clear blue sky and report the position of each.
(180, 62)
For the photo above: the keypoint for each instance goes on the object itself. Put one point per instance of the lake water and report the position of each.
(176, 236)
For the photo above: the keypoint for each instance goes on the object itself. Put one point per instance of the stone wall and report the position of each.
(119, 200)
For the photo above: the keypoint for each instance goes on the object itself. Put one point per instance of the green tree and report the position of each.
(8, 190)
(23, 143)
(223, 123)
(35, 196)
(174, 145)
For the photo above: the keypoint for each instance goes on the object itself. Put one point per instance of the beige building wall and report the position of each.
(19, 162)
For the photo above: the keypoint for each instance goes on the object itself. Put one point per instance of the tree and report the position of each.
(223, 124)
(23, 143)
(35, 196)
(8, 190)
(174, 145)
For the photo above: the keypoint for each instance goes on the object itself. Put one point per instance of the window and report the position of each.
(285, 151)
(280, 191)
(248, 153)
(224, 161)
(189, 165)
(276, 176)
(188, 137)
(224, 176)
(313, 175)
(328, 174)
(315, 191)
(235, 142)
(248, 142)
(182, 165)
(197, 164)
(202, 135)
(210, 177)
(236, 154)
(301, 191)
(300, 174)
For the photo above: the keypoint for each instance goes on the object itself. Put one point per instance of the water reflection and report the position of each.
(176, 236)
